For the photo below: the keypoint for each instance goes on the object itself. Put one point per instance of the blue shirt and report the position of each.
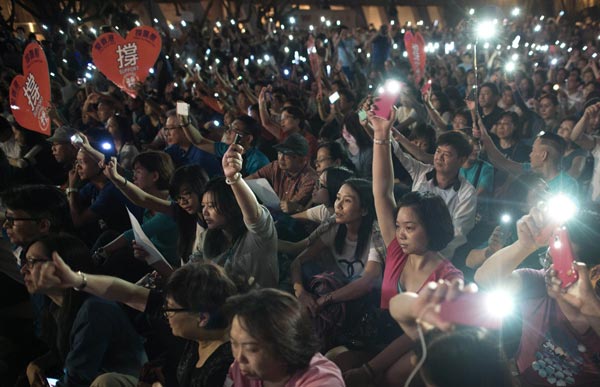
(486, 176)
(109, 204)
(194, 155)
(102, 340)
(561, 183)
(253, 158)
(163, 233)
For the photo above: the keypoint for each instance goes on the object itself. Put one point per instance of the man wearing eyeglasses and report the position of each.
(244, 129)
(183, 152)
(32, 211)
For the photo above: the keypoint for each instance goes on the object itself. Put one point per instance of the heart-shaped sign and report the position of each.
(127, 61)
(29, 94)
(415, 48)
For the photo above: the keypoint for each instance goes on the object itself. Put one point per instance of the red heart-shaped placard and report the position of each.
(30, 93)
(127, 61)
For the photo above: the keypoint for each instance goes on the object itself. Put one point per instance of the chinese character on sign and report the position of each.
(128, 55)
(32, 93)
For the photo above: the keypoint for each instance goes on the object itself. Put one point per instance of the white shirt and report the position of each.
(460, 197)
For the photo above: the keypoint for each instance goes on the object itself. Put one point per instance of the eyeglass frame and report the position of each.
(166, 311)
(30, 262)
(11, 219)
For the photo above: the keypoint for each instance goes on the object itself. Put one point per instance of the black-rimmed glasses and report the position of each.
(10, 220)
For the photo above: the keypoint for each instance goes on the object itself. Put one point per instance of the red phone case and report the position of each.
(470, 309)
(382, 107)
(562, 256)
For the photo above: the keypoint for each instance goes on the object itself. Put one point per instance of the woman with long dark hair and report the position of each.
(348, 245)
(358, 144)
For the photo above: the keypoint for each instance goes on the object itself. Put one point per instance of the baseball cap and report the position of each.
(62, 134)
(295, 143)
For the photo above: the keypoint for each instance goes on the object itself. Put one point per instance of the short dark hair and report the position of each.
(553, 99)
(514, 117)
(295, 112)
(202, 287)
(456, 140)
(277, 320)
(250, 126)
(156, 161)
(492, 86)
(40, 201)
(425, 132)
(556, 143)
(467, 357)
(433, 214)
(337, 152)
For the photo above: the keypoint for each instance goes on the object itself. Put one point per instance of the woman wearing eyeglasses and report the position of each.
(86, 335)
(235, 231)
(191, 303)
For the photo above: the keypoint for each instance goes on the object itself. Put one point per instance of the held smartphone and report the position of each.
(362, 115)
(426, 87)
(561, 252)
(76, 139)
(470, 309)
(237, 139)
(383, 105)
(183, 108)
(52, 382)
(334, 97)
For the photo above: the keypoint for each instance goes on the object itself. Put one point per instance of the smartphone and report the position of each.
(52, 382)
(472, 309)
(76, 139)
(426, 87)
(362, 115)
(81, 81)
(382, 105)
(183, 108)
(561, 252)
(106, 148)
(334, 97)
(237, 139)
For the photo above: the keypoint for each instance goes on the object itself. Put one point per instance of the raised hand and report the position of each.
(232, 161)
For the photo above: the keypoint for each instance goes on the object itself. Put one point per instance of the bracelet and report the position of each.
(83, 282)
(369, 370)
(382, 142)
(71, 190)
(235, 179)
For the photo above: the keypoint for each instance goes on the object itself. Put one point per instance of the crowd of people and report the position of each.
(379, 221)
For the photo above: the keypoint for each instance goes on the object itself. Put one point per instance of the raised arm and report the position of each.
(383, 177)
(232, 165)
(195, 137)
(265, 118)
(137, 196)
(578, 135)
(494, 155)
(533, 232)
(58, 274)
(414, 150)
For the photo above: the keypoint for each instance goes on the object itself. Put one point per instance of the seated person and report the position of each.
(91, 336)
(152, 172)
(183, 152)
(273, 342)
(324, 195)
(349, 246)
(98, 204)
(191, 302)
(561, 326)
(290, 175)
(332, 154)
(545, 157)
(243, 126)
(64, 152)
